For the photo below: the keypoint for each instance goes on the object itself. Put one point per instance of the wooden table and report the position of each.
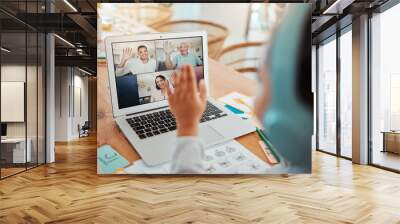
(222, 80)
(391, 141)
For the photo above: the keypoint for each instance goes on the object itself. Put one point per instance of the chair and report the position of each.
(149, 15)
(216, 33)
(84, 130)
(243, 57)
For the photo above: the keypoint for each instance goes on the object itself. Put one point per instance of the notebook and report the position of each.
(109, 161)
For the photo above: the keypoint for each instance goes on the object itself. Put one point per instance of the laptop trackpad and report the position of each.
(209, 135)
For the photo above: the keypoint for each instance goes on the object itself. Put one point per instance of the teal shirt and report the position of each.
(190, 59)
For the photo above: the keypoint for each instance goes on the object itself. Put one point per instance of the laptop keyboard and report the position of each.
(163, 121)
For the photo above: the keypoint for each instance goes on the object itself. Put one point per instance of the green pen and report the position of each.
(268, 143)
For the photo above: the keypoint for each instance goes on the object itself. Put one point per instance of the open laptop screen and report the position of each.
(143, 69)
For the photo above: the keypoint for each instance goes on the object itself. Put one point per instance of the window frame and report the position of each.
(334, 37)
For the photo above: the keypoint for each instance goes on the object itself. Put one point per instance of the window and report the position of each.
(385, 89)
(334, 106)
(346, 93)
(22, 74)
(327, 96)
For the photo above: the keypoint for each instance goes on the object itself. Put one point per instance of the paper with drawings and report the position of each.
(228, 158)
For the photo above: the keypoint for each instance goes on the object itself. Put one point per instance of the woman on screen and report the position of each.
(161, 84)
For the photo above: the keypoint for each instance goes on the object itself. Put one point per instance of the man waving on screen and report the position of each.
(130, 64)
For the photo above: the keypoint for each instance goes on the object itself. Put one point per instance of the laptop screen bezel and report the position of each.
(147, 37)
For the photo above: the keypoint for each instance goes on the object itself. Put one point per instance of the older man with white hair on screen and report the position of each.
(184, 57)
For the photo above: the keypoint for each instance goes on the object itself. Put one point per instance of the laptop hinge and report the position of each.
(146, 111)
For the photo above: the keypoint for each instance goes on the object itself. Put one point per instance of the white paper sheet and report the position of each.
(228, 158)
(231, 99)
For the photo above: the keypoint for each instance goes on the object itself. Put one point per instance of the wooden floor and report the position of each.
(70, 191)
(10, 171)
(386, 159)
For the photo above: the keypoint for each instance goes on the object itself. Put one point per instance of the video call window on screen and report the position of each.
(144, 69)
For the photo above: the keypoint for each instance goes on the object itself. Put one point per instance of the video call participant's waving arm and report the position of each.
(136, 65)
(168, 63)
(127, 53)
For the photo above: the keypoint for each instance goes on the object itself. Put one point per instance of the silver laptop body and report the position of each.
(158, 149)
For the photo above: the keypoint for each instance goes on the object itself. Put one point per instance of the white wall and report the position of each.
(12, 101)
(33, 126)
(14, 73)
(68, 81)
(80, 83)
(62, 81)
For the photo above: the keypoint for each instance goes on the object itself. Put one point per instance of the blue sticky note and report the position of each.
(110, 160)
(233, 109)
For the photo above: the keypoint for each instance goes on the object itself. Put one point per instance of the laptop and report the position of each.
(139, 68)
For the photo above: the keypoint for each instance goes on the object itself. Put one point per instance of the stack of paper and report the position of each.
(239, 104)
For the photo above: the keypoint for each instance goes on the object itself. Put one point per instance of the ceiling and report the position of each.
(76, 20)
(76, 25)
